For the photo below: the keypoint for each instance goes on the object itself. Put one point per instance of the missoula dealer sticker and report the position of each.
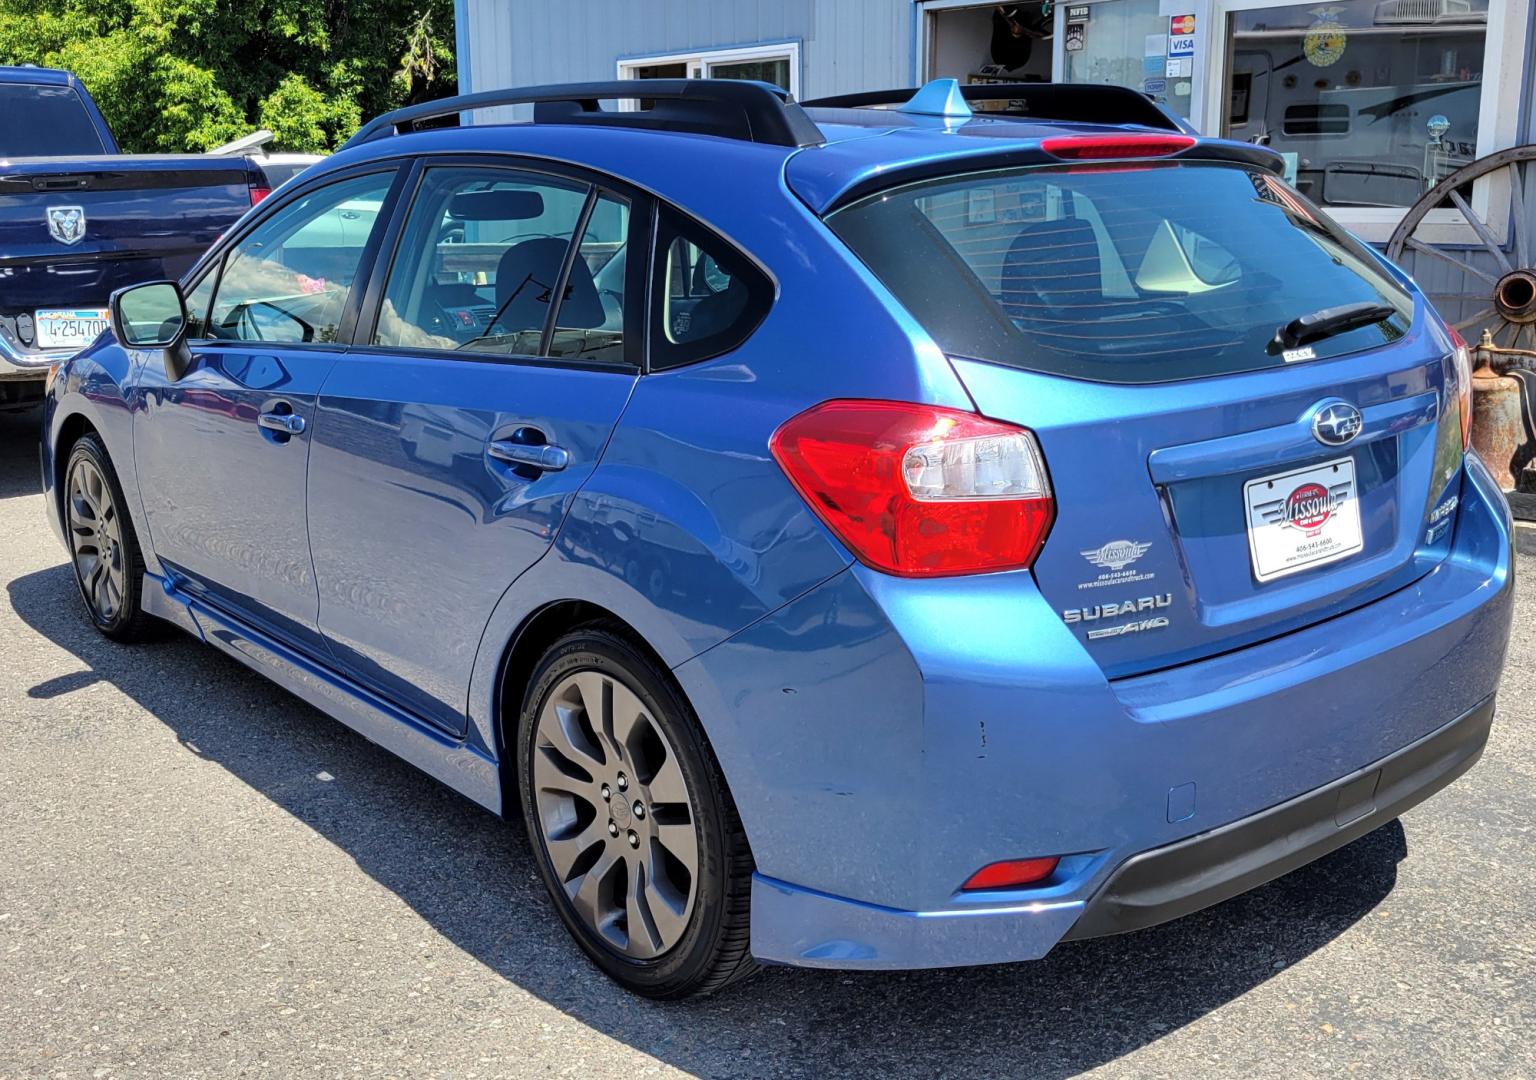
(1117, 560)
(1302, 518)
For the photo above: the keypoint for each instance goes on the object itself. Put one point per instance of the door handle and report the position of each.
(545, 457)
(282, 423)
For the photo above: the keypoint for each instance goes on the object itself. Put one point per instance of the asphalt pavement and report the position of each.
(201, 876)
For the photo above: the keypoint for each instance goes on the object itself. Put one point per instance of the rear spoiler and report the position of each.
(1079, 103)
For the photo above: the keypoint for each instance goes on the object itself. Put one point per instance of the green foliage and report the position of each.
(187, 75)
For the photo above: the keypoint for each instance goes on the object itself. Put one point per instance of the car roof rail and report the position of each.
(733, 108)
(1084, 103)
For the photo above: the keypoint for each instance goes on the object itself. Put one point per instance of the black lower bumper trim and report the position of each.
(1183, 877)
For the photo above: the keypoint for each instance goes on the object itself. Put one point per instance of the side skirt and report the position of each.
(460, 766)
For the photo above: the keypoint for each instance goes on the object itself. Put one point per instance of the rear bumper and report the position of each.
(1183, 877)
(18, 364)
(885, 738)
(798, 926)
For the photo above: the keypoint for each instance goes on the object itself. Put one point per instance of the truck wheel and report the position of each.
(103, 547)
(630, 821)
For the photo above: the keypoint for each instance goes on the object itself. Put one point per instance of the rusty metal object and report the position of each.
(1515, 296)
(1501, 432)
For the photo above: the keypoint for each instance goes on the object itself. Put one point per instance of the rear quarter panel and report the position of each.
(688, 530)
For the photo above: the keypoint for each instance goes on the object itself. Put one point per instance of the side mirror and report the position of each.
(153, 316)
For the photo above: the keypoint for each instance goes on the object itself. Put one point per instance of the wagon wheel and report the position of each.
(1497, 293)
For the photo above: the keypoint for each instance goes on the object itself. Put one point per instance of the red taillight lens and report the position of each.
(259, 193)
(1111, 147)
(1461, 364)
(918, 490)
(1012, 873)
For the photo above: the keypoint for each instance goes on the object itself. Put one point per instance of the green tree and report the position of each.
(178, 75)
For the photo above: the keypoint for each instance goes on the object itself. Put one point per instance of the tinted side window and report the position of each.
(288, 280)
(709, 297)
(480, 259)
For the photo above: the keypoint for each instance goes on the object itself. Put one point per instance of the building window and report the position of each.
(1373, 102)
(1378, 99)
(778, 64)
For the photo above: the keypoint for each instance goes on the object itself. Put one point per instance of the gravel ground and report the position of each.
(201, 876)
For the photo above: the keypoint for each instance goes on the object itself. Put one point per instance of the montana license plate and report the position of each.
(1303, 518)
(69, 328)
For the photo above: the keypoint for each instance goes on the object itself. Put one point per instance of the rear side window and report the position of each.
(482, 258)
(46, 121)
(1140, 274)
(708, 295)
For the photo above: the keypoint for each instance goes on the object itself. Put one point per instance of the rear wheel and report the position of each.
(104, 550)
(630, 821)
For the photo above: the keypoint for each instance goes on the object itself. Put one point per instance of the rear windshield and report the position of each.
(45, 121)
(1119, 274)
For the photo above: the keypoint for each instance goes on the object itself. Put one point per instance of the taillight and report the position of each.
(259, 193)
(918, 490)
(1110, 147)
(1461, 365)
(1012, 873)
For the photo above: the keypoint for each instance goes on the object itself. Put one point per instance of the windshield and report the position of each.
(1142, 273)
(45, 121)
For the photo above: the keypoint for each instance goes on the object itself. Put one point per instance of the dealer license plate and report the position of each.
(1303, 518)
(69, 328)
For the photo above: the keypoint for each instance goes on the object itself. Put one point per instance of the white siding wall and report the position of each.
(845, 45)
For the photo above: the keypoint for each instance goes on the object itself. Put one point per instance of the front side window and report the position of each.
(1124, 274)
(288, 280)
(197, 306)
(1376, 99)
(482, 256)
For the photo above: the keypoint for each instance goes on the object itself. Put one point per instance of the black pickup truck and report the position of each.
(79, 219)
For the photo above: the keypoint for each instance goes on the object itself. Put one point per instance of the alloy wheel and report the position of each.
(615, 814)
(96, 540)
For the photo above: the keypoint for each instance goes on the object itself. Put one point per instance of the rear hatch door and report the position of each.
(1217, 481)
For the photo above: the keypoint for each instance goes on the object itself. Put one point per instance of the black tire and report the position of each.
(116, 546)
(712, 951)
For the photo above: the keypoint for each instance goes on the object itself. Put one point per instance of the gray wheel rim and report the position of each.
(96, 539)
(615, 814)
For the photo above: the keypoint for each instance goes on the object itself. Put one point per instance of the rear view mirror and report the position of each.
(498, 204)
(149, 316)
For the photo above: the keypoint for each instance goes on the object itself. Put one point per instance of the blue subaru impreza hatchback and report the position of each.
(850, 535)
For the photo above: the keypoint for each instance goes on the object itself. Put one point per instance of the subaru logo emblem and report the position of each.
(1336, 423)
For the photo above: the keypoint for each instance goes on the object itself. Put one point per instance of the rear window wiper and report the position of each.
(1328, 322)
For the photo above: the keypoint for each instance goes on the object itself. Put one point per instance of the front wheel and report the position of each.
(630, 820)
(104, 550)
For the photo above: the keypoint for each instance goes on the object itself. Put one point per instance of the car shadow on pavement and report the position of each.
(472, 879)
(19, 435)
